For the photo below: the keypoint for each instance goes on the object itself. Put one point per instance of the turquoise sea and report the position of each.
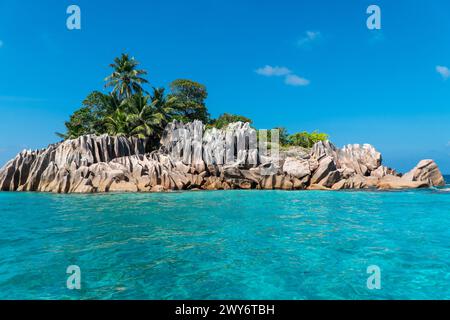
(226, 245)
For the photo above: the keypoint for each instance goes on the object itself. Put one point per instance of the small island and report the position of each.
(132, 141)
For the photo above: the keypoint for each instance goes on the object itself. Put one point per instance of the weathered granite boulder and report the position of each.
(191, 158)
(394, 182)
(298, 168)
(295, 152)
(324, 149)
(362, 158)
(183, 142)
(51, 169)
(426, 170)
(326, 166)
(382, 171)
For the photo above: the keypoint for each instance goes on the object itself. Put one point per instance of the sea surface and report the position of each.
(226, 245)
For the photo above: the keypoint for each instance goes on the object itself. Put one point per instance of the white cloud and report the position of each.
(296, 81)
(308, 38)
(290, 78)
(312, 35)
(270, 71)
(443, 71)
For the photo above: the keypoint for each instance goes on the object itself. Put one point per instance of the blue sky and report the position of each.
(304, 65)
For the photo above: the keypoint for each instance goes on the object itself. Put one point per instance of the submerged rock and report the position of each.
(191, 158)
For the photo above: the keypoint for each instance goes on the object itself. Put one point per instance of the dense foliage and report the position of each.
(300, 139)
(306, 139)
(129, 110)
(190, 97)
(225, 119)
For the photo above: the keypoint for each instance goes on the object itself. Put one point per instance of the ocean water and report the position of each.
(226, 245)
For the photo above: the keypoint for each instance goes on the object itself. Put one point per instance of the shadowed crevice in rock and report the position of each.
(192, 158)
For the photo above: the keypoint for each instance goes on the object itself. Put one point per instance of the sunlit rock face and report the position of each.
(426, 170)
(192, 144)
(192, 157)
(55, 168)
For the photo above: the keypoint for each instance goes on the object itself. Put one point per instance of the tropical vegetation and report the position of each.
(225, 119)
(128, 109)
(300, 139)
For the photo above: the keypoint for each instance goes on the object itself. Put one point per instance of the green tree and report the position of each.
(90, 118)
(130, 111)
(225, 119)
(141, 116)
(283, 136)
(307, 140)
(101, 104)
(134, 117)
(190, 99)
(163, 107)
(118, 123)
(81, 122)
(126, 79)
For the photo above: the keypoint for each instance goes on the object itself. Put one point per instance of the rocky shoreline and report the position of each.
(192, 158)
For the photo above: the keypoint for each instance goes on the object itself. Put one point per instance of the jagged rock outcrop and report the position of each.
(191, 158)
(426, 170)
(65, 167)
(382, 171)
(363, 159)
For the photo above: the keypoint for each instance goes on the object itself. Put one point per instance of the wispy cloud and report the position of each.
(443, 71)
(290, 78)
(270, 71)
(296, 81)
(309, 38)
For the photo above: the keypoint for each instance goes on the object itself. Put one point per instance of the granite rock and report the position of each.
(192, 158)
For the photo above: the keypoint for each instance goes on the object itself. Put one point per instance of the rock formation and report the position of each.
(191, 158)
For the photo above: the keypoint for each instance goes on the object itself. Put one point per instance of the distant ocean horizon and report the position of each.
(226, 244)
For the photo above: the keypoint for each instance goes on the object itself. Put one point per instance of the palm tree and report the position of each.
(81, 122)
(126, 79)
(141, 116)
(117, 123)
(137, 117)
(163, 107)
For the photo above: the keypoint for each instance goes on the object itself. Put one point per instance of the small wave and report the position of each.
(441, 189)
